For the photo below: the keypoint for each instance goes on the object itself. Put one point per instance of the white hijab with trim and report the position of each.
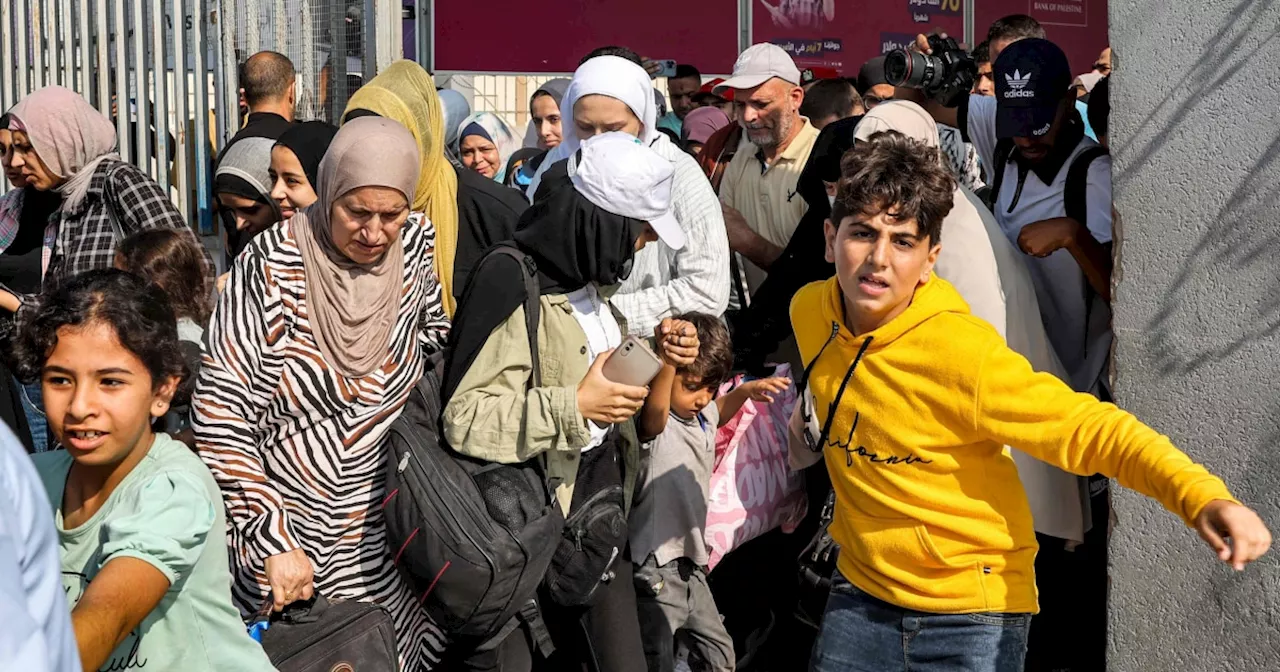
(610, 76)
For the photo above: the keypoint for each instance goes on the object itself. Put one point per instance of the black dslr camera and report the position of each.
(944, 76)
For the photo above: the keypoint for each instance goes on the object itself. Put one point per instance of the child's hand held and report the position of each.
(677, 342)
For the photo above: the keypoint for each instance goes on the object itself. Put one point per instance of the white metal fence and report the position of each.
(95, 47)
(166, 71)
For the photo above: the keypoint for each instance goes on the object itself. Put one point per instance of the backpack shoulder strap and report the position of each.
(532, 303)
(1075, 198)
(1004, 150)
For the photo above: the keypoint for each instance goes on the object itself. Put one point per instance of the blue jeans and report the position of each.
(863, 634)
(33, 406)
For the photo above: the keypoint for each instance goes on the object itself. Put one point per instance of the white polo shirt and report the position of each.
(1077, 320)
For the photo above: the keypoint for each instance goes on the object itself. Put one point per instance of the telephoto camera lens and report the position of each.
(913, 70)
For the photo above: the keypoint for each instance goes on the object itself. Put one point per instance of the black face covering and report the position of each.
(573, 241)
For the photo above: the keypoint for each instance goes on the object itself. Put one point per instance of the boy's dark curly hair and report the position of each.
(891, 173)
(714, 364)
(138, 312)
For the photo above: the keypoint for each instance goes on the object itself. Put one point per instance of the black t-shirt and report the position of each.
(260, 125)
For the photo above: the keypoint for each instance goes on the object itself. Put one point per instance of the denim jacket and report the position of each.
(493, 416)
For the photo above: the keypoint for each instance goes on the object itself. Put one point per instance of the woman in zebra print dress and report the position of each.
(312, 351)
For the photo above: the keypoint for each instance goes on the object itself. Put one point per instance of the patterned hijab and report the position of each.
(352, 306)
(404, 92)
(494, 129)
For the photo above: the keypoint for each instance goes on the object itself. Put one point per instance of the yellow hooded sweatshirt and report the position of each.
(930, 514)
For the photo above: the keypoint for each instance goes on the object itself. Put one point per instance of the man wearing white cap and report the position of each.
(759, 186)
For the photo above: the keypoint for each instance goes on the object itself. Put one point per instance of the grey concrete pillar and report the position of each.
(1195, 133)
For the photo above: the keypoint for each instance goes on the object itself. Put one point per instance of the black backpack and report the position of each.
(475, 537)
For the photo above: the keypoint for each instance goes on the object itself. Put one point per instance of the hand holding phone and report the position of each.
(604, 401)
(665, 67)
(632, 363)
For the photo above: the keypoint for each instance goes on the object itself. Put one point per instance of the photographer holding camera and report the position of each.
(1051, 195)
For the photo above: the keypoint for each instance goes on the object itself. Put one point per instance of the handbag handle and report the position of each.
(294, 613)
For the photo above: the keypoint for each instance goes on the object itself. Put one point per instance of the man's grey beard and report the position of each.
(776, 136)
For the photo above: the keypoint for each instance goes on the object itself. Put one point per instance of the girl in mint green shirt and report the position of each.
(139, 518)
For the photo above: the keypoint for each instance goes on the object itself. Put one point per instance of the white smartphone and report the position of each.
(633, 363)
(668, 67)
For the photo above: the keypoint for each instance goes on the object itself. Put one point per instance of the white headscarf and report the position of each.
(604, 76)
(902, 116)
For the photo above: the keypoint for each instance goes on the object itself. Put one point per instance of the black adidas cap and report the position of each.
(1032, 77)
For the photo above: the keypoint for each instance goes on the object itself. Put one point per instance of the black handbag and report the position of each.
(340, 636)
(595, 533)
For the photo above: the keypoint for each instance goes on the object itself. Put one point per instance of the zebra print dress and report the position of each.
(296, 447)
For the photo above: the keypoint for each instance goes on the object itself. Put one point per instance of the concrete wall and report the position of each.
(1196, 134)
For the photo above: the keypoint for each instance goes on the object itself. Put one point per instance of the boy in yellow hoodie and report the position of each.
(914, 399)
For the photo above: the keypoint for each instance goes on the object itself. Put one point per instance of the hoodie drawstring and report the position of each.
(804, 377)
(835, 403)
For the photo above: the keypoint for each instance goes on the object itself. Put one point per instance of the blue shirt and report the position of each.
(1084, 114)
(671, 121)
(36, 635)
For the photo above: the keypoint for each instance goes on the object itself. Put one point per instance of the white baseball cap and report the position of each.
(759, 64)
(615, 171)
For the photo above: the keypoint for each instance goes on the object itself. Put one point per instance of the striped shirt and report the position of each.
(296, 447)
(664, 283)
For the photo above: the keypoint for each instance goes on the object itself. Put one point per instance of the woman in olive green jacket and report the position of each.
(582, 233)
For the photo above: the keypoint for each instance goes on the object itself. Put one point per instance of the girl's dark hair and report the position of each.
(620, 52)
(890, 171)
(171, 259)
(1100, 106)
(138, 312)
(4, 121)
(714, 364)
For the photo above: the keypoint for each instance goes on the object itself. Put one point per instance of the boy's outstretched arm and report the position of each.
(1040, 415)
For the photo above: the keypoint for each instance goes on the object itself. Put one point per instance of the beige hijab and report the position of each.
(69, 135)
(353, 307)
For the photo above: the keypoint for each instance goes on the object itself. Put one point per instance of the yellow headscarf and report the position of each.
(404, 92)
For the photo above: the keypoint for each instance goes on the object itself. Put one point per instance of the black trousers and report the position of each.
(1070, 632)
(604, 636)
(514, 654)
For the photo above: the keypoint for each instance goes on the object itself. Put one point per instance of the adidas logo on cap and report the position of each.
(1018, 85)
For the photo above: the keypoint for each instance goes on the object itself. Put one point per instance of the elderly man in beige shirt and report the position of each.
(761, 206)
